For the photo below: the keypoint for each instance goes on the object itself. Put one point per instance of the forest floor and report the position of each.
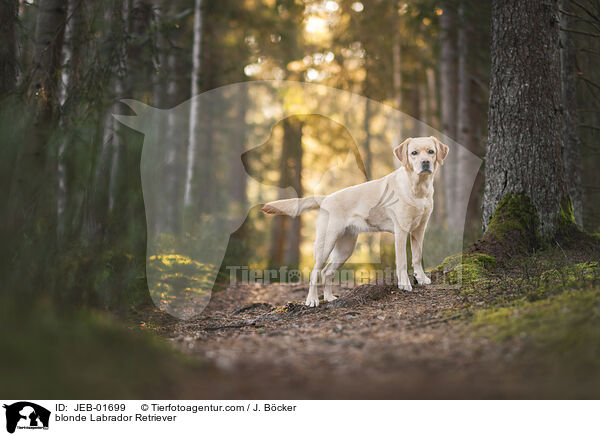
(511, 338)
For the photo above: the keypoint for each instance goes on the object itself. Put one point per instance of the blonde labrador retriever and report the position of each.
(400, 203)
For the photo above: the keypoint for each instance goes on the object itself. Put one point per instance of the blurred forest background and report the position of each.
(71, 172)
(73, 225)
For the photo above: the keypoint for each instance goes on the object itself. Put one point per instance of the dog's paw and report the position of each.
(405, 287)
(423, 280)
(330, 298)
(312, 301)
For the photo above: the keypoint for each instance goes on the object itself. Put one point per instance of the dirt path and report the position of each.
(370, 343)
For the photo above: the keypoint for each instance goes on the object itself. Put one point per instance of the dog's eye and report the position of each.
(414, 153)
(431, 152)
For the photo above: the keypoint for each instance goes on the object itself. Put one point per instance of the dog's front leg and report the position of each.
(416, 246)
(400, 237)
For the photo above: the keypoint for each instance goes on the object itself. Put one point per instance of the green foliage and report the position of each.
(175, 272)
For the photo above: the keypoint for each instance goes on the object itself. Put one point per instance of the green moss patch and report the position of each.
(467, 269)
(514, 213)
(512, 229)
(565, 327)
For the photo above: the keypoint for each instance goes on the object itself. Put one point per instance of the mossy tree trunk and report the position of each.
(525, 125)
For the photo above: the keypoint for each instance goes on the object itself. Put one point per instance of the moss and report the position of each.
(513, 213)
(567, 230)
(514, 225)
(466, 269)
(566, 327)
(556, 280)
(566, 213)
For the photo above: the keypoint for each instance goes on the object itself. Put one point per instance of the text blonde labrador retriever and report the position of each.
(400, 203)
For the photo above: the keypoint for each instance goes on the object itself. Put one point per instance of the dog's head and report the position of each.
(421, 155)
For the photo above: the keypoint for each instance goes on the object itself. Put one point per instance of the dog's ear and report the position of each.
(401, 152)
(441, 150)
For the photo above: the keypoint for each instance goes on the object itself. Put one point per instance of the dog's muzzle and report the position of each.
(426, 167)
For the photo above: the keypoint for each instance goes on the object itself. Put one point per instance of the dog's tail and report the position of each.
(293, 206)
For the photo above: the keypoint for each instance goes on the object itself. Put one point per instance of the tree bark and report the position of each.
(525, 123)
(571, 151)
(8, 46)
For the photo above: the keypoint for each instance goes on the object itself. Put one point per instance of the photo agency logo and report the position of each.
(209, 164)
(24, 415)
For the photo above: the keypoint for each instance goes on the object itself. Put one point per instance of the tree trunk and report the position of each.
(49, 36)
(160, 84)
(464, 134)
(95, 219)
(432, 106)
(397, 68)
(239, 185)
(293, 136)
(525, 123)
(8, 46)
(194, 133)
(33, 161)
(366, 127)
(280, 222)
(571, 152)
(69, 96)
(32, 207)
(448, 95)
(121, 16)
(423, 109)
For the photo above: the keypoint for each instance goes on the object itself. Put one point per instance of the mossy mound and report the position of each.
(537, 285)
(564, 328)
(466, 269)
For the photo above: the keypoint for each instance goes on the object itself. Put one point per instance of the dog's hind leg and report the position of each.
(327, 235)
(341, 253)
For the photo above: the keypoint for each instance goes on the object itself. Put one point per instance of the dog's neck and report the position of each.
(421, 184)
